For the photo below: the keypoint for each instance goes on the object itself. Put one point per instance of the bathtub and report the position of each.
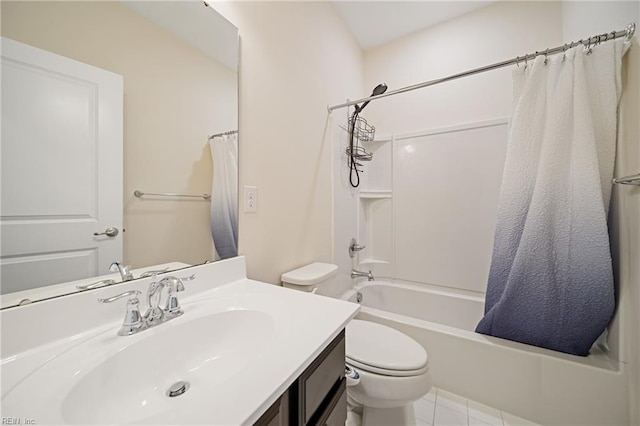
(547, 387)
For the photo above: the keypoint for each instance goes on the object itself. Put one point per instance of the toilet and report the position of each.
(389, 370)
(393, 370)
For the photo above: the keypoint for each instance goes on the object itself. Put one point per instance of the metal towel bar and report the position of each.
(140, 194)
(628, 180)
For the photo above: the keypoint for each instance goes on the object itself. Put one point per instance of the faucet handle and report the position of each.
(174, 284)
(354, 247)
(97, 284)
(120, 296)
(154, 314)
(132, 320)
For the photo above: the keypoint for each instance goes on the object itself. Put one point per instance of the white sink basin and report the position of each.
(239, 346)
(113, 379)
(132, 384)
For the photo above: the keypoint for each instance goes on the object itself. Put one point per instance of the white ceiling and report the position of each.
(377, 22)
(200, 26)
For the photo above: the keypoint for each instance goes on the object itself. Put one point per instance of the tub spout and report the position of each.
(355, 274)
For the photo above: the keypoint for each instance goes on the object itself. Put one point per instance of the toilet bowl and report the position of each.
(392, 368)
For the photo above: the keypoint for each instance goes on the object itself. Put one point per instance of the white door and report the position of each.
(61, 175)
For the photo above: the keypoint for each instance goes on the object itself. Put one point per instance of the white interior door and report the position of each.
(61, 175)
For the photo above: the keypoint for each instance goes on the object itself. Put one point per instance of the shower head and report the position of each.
(378, 90)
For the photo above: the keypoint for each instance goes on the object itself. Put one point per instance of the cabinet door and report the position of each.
(277, 414)
(336, 412)
(319, 384)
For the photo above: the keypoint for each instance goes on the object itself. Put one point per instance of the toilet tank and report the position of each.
(316, 277)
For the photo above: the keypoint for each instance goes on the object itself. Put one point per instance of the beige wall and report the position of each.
(296, 59)
(492, 34)
(174, 96)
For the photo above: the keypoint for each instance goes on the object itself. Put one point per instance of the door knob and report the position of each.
(109, 232)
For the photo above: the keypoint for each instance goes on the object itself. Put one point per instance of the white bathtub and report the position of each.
(544, 386)
(415, 301)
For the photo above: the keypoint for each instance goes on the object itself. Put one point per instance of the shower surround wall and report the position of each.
(455, 207)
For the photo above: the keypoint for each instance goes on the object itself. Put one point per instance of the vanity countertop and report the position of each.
(240, 345)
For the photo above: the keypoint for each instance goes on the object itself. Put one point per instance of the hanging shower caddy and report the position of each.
(359, 131)
(362, 132)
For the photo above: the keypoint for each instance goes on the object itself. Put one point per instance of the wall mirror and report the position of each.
(176, 64)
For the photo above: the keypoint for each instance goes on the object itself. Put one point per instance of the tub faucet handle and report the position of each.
(354, 248)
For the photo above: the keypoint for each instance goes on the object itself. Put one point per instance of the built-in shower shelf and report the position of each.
(381, 140)
(373, 194)
(377, 142)
(372, 262)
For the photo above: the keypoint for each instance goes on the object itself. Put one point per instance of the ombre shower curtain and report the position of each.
(224, 196)
(551, 280)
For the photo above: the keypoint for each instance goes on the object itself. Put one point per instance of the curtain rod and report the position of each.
(588, 43)
(230, 132)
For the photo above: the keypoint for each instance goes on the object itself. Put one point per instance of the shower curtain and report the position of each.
(551, 280)
(224, 197)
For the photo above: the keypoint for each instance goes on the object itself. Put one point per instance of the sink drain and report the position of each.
(177, 389)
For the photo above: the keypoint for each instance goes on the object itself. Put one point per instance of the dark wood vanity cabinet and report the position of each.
(318, 396)
(277, 414)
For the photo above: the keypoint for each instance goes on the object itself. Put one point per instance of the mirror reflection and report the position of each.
(100, 100)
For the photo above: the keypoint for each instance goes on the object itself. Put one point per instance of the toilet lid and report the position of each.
(384, 349)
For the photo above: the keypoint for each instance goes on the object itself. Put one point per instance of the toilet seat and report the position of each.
(383, 350)
(386, 372)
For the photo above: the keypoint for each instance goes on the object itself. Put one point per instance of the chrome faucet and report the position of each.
(134, 322)
(355, 274)
(125, 274)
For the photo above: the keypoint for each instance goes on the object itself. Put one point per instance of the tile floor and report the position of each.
(442, 408)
